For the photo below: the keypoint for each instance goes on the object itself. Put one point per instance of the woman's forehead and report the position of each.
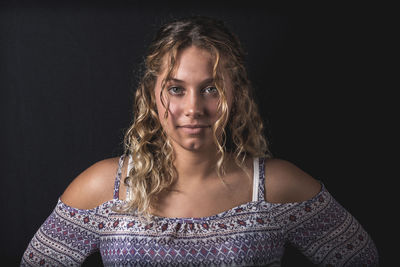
(192, 58)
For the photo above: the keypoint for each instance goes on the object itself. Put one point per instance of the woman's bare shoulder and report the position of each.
(93, 186)
(285, 182)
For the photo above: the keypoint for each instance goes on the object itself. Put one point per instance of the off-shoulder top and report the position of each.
(251, 234)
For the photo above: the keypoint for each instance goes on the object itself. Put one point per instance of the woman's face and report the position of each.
(193, 100)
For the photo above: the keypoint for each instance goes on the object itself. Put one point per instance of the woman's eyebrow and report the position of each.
(207, 80)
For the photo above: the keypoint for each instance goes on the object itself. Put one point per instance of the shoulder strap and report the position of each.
(118, 178)
(129, 164)
(128, 191)
(258, 179)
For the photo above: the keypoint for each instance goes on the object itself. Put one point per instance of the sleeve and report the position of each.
(66, 238)
(327, 234)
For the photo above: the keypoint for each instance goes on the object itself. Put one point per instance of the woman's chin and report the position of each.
(198, 146)
(194, 147)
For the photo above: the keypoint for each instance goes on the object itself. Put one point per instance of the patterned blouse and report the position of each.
(251, 234)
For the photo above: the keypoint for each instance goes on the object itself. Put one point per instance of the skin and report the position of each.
(193, 100)
(198, 191)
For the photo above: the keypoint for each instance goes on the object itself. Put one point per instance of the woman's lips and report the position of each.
(193, 129)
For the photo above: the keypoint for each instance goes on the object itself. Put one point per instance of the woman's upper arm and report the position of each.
(66, 238)
(314, 221)
(285, 182)
(93, 186)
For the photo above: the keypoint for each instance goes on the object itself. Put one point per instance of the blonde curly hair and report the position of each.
(238, 131)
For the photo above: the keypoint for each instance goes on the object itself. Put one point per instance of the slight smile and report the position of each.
(194, 128)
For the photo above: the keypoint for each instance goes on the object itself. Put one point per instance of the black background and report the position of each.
(68, 72)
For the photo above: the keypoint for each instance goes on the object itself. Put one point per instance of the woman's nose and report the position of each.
(194, 105)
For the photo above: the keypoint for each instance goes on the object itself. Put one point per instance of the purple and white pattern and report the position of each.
(250, 234)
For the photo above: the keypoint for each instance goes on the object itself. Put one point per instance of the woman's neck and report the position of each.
(195, 167)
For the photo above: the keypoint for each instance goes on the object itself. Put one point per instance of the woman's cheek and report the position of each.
(213, 109)
(174, 110)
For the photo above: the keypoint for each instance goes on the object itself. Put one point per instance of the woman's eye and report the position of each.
(175, 90)
(211, 90)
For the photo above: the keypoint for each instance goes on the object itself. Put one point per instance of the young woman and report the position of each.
(196, 184)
